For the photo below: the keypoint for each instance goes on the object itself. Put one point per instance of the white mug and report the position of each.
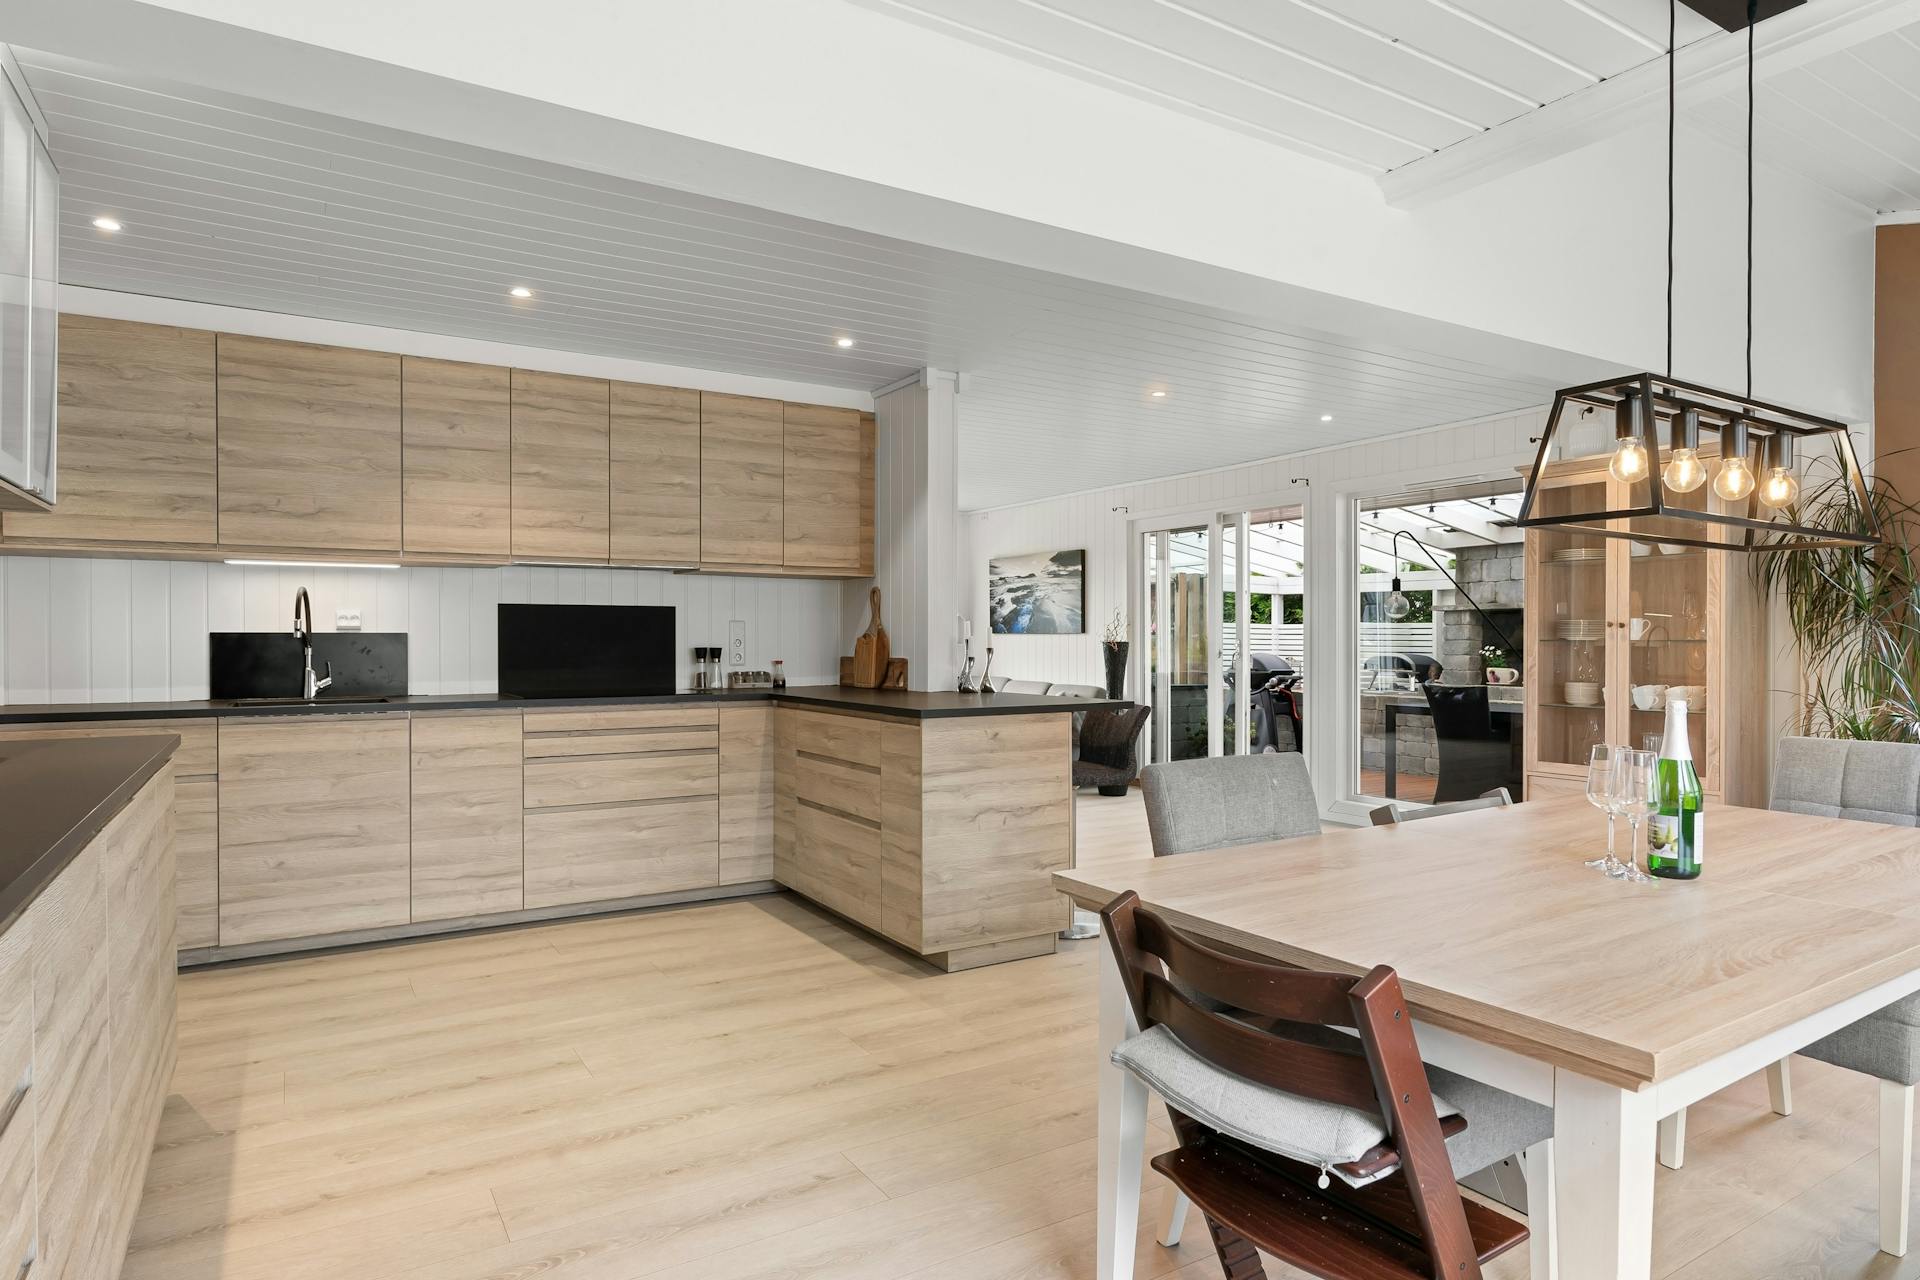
(1636, 630)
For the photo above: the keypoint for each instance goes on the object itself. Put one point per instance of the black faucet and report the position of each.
(310, 684)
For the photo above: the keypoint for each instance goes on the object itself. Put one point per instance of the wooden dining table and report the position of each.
(1615, 1004)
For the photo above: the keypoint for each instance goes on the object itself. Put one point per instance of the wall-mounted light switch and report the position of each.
(346, 619)
(737, 643)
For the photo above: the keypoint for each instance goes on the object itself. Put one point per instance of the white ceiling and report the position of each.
(237, 202)
(1371, 84)
(1850, 120)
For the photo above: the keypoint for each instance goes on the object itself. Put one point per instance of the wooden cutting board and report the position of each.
(872, 650)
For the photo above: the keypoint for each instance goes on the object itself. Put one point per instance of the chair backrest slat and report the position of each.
(1298, 995)
(1310, 1070)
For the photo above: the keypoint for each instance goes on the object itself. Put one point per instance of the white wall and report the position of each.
(83, 630)
(917, 525)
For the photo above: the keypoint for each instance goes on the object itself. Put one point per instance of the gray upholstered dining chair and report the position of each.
(1221, 801)
(1867, 782)
(1388, 815)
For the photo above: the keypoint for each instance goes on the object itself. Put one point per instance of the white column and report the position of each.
(917, 529)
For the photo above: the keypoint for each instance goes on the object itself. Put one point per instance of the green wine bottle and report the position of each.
(1677, 832)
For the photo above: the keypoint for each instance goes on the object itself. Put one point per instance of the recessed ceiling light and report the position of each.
(521, 291)
(843, 342)
(1158, 395)
(106, 223)
(1326, 417)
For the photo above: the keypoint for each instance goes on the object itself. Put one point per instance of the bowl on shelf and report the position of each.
(1581, 693)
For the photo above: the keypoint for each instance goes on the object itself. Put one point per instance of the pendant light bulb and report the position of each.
(1735, 480)
(1629, 464)
(1781, 487)
(1684, 471)
(1398, 606)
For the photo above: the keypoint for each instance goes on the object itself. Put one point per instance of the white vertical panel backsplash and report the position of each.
(83, 630)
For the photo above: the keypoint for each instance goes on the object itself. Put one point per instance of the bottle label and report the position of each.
(1663, 834)
(1699, 839)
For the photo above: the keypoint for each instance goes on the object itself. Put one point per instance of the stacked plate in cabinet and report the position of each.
(1581, 628)
(1579, 555)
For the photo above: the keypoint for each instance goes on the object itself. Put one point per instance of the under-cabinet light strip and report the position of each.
(309, 564)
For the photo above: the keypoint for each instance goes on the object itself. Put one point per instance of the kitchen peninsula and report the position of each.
(86, 994)
(933, 819)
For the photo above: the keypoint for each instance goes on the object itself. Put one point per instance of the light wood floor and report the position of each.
(752, 1089)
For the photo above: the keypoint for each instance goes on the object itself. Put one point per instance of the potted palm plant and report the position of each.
(1113, 648)
(1855, 615)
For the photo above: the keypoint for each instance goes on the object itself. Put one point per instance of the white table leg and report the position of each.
(1673, 1139)
(1780, 1088)
(1603, 1148)
(1123, 1132)
(1896, 1165)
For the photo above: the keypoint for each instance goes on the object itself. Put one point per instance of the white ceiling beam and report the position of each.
(1708, 67)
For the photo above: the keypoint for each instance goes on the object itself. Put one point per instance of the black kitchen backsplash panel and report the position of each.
(586, 650)
(268, 664)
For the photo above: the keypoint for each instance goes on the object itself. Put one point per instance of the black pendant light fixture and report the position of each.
(1726, 477)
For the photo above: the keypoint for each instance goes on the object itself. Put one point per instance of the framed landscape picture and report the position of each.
(1041, 594)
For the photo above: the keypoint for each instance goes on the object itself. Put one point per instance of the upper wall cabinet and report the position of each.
(29, 271)
(742, 481)
(137, 417)
(309, 446)
(829, 489)
(457, 485)
(559, 467)
(655, 457)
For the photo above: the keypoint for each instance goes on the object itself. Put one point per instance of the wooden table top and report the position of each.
(1498, 932)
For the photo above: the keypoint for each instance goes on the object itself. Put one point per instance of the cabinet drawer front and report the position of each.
(620, 779)
(590, 855)
(839, 863)
(617, 742)
(675, 716)
(846, 738)
(196, 851)
(197, 755)
(835, 784)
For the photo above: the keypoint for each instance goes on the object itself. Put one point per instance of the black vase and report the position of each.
(1115, 652)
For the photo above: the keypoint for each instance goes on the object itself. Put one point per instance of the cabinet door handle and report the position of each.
(10, 1110)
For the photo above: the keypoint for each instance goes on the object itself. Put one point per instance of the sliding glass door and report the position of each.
(1220, 633)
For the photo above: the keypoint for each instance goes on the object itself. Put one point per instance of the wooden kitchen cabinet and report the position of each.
(195, 817)
(137, 458)
(654, 456)
(560, 496)
(466, 815)
(828, 478)
(313, 826)
(72, 1087)
(19, 1199)
(746, 793)
(742, 481)
(309, 447)
(621, 802)
(457, 459)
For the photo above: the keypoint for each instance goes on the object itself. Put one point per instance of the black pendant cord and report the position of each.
(1673, 7)
(1753, 20)
(1398, 534)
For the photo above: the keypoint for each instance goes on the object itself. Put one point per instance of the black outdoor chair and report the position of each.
(1109, 748)
(1476, 750)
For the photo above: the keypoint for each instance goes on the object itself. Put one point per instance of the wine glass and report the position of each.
(1602, 764)
(1635, 798)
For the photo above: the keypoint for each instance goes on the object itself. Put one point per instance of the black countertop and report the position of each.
(894, 702)
(58, 794)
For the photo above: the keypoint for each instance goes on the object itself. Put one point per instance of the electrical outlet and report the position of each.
(737, 643)
(346, 619)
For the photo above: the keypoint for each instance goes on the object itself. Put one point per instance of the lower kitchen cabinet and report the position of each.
(746, 793)
(87, 1047)
(466, 815)
(621, 851)
(313, 826)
